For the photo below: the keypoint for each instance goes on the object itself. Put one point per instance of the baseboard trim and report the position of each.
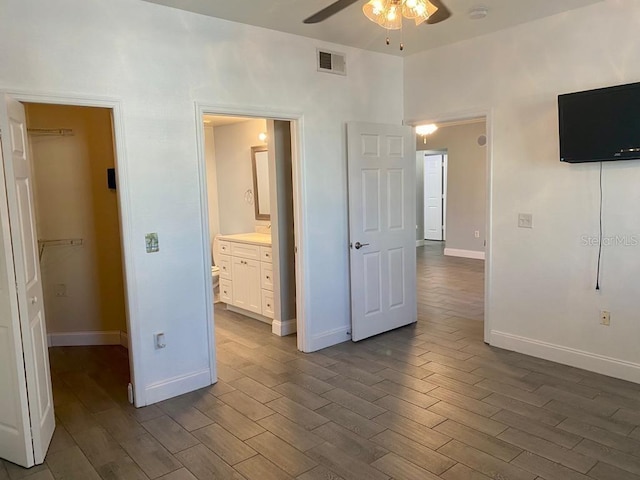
(419, 243)
(284, 328)
(247, 313)
(175, 386)
(593, 362)
(454, 252)
(124, 340)
(327, 339)
(77, 339)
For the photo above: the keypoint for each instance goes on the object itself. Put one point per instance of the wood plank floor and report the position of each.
(426, 401)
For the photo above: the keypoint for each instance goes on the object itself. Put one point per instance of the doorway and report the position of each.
(77, 220)
(67, 205)
(249, 191)
(435, 194)
(80, 253)
(464, 142)
(79, 248)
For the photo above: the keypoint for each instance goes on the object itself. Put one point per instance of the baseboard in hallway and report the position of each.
(76, 339)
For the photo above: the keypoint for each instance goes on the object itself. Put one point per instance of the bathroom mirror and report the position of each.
(260, 161)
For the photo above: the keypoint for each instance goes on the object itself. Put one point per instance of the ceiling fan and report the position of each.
(440, 15)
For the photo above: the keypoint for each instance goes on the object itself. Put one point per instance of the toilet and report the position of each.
(215, 270)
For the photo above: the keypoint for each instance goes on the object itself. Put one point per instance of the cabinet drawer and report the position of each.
(245, 251)
(267, 303)
(226, 291)
(224, 247)
(266, 276)
(224, 264)
(265, 254)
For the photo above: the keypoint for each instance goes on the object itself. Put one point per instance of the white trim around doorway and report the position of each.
(124, 204)
(297, 124)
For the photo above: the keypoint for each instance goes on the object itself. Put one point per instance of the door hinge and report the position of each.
(130, 393)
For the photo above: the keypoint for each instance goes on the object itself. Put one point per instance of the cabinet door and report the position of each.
(247, 292)
(254, 289)
(239, 281)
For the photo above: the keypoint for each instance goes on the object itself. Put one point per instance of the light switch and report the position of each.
(525, 220)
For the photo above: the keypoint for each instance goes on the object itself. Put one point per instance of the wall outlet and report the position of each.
(605, 318)
(476, 234)
(525, 220)
(60, 289)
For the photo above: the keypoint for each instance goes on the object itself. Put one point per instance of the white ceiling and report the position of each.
(351, 27)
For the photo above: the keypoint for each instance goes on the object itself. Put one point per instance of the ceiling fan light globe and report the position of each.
(421, 19)
(392, 20)
(412, 8)
(390, 13)
(373, 9)
(430, 8)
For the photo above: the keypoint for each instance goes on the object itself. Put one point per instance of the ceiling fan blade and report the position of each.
(332, 9)
(441, 15)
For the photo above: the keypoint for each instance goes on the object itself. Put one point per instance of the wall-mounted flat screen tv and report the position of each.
(600, 125)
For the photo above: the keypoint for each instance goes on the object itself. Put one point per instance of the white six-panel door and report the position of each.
(382, 235)
(433, 195)
(19, 190)
(15, 439)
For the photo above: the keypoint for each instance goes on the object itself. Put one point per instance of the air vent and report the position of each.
(332, 62)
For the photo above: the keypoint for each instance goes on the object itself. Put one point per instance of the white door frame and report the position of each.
(124, 204)
(297, 124)
(488, 264)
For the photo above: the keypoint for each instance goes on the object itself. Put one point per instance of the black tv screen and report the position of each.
(600, 125)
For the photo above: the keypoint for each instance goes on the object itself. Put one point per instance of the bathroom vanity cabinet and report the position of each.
(246, 274)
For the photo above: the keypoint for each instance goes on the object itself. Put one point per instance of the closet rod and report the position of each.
(60, 132)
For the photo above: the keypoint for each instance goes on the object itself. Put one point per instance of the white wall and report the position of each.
(235, 174)
(158, 62)
(542, 296)
(73, 202)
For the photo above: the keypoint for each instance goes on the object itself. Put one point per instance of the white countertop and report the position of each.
(252, 238)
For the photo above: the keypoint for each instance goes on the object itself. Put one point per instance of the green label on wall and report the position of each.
(151, 241)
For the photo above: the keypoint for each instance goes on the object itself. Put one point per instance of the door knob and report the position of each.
(359, 245)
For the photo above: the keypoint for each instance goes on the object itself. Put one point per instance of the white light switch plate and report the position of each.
(525, 220)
